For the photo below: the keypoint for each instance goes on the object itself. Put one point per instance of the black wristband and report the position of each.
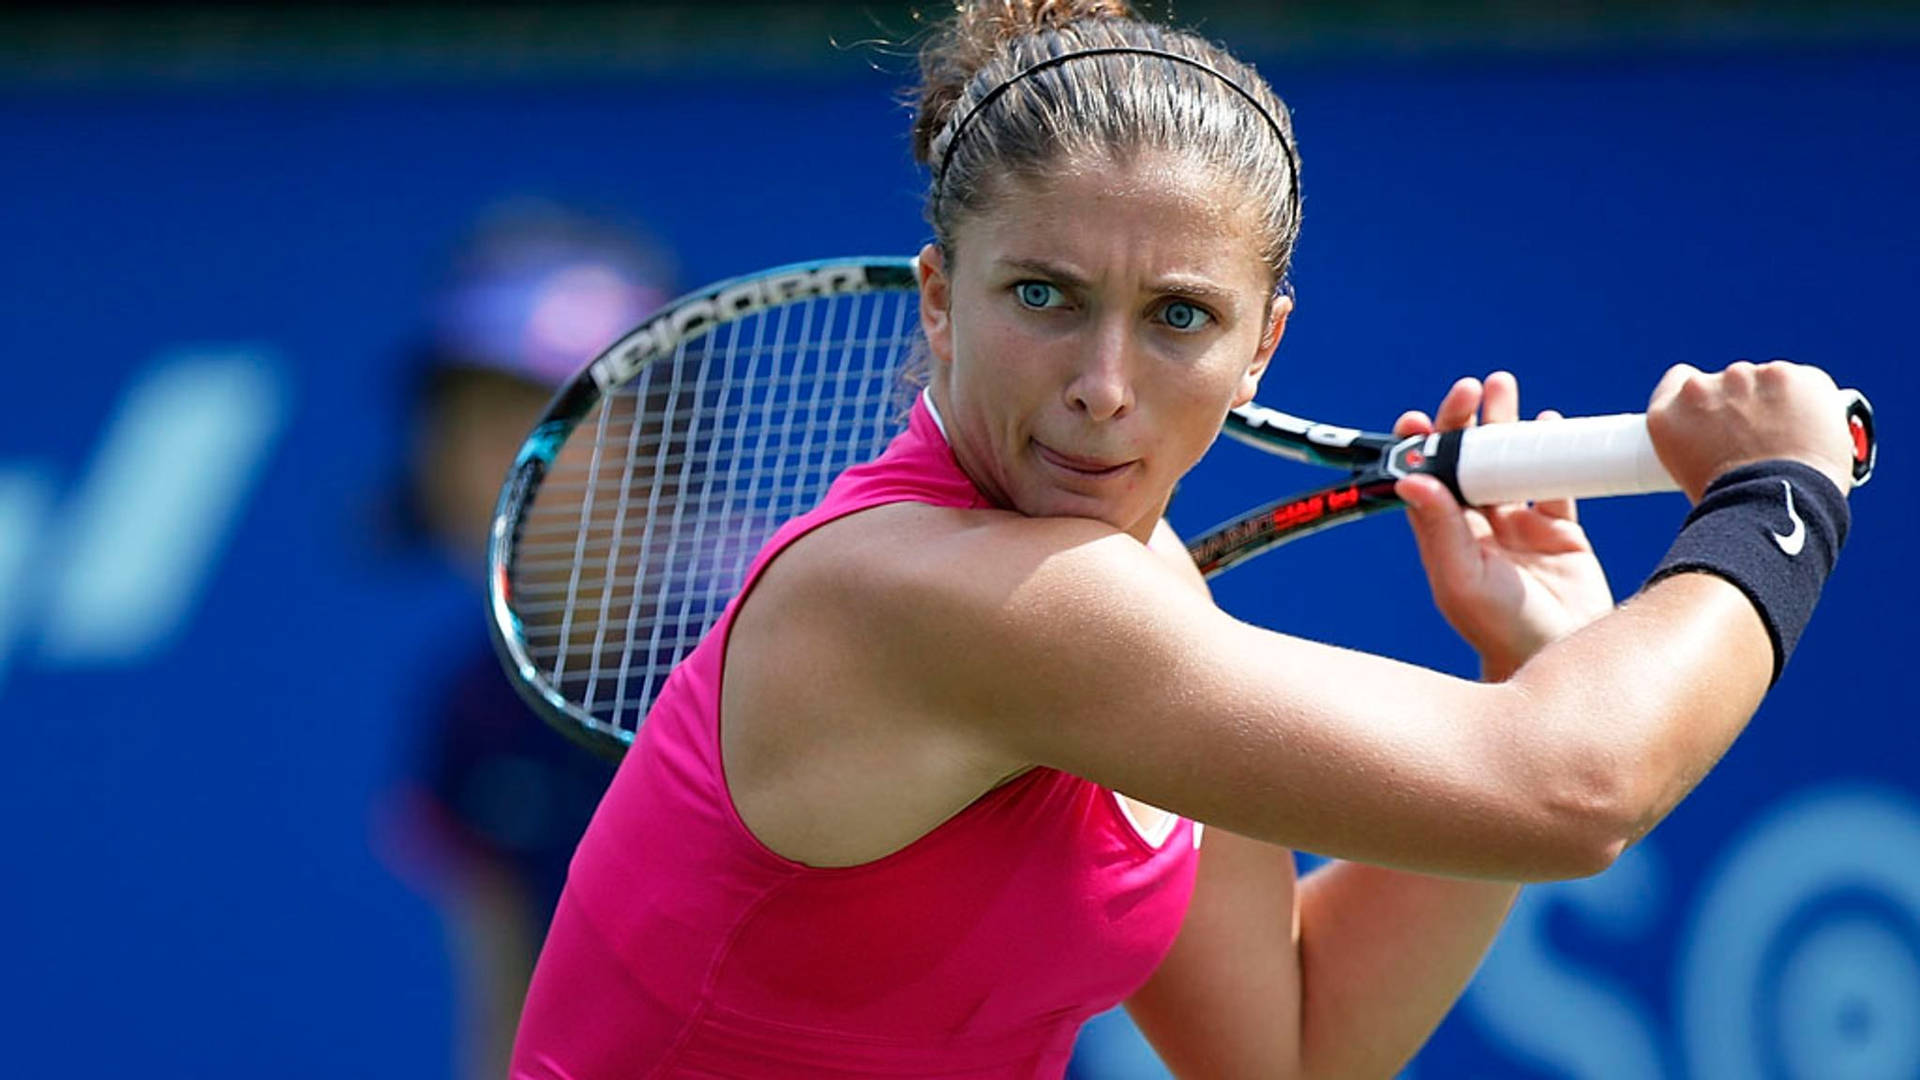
(1773, 529)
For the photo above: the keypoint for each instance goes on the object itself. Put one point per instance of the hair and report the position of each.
(986, 114)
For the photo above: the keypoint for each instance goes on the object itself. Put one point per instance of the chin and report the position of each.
(1056, 503)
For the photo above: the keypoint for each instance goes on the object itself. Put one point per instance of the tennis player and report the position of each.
(948, 800)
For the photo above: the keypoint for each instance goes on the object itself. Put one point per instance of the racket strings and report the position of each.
(648, 516)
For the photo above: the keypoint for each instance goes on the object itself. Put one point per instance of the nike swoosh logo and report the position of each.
(1792, 542)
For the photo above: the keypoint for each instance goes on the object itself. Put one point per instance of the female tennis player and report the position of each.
(947, 802)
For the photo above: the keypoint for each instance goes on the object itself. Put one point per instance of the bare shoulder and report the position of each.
(903, 577)
(966, 644)
(840, 746)
(991, 615)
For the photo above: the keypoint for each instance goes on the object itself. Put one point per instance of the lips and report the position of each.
(1091, 467)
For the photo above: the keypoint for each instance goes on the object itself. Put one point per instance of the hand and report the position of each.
(1509, 578)
(1702, 425)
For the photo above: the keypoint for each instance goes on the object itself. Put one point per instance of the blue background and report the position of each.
(198, 881)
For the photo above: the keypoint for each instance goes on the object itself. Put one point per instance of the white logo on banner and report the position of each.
(109, 573)
(1799, 956)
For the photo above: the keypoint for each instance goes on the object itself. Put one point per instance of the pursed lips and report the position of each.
(1074, 463)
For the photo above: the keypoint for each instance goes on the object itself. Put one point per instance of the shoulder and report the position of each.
(904, 573)
(857, 709)
(966, 617)
(1024, 639)
(891, 561)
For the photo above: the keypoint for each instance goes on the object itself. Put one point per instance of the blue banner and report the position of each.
(213, 666)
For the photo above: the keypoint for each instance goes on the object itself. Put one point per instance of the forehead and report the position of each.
(1155, 214)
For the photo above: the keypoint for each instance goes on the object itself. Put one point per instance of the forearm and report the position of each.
(1383, 956)
(1649, 697)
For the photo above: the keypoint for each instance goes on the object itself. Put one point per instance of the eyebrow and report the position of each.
(1045, 268)
(1198, 288)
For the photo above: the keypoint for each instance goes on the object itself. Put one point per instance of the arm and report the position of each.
(1347, 973)
(1343, 974)
(1059, 642)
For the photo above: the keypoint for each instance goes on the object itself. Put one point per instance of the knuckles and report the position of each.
(1740, 382)
(1698, 389)
(1704, 422)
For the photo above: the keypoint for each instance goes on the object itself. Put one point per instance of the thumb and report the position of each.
(1448, 547)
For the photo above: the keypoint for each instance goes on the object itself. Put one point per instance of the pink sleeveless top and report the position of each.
(683, 947)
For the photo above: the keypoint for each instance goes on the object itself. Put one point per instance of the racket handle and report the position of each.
(1578, 458)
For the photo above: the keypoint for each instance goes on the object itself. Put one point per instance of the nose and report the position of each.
(1102, 385)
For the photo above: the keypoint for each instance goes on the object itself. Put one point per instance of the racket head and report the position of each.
(633, 510)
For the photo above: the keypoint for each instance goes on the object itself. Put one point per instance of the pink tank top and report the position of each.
(683, 947)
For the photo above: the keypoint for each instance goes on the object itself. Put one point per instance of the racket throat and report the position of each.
(1436, 454)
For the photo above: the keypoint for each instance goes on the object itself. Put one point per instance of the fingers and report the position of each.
(1440, 526)
(1446, 538)
(1501, 403)
(1470, 401)
(1412, 422)
(1497, 401)
(1670, 384)
(1704, 424)
(1457, 409)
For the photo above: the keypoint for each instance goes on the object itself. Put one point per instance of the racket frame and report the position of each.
(659, 336)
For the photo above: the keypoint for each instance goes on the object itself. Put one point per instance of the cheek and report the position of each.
(996, 356)
(967, 334)
(1209, 385)
(1201, 400)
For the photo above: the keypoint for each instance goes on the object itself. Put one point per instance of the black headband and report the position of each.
(1293, 171)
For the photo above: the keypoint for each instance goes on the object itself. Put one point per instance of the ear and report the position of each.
(1276, 326)
(936, 304)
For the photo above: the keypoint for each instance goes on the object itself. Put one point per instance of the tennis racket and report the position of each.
(634, 508)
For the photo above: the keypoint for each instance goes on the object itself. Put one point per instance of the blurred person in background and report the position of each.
(494, 800)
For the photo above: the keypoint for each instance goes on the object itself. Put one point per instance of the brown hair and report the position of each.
(997, 101)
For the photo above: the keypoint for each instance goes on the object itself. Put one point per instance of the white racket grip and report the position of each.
(1574, 458)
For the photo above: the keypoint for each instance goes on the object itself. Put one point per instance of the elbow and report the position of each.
(1592, 810)
(1588, 854)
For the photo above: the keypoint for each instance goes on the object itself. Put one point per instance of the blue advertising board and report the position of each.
(210, 668)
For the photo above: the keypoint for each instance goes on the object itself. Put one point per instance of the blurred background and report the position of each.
(283, 282)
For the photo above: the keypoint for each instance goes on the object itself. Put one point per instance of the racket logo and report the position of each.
(1300, 512)
(728, 301)
(1259, 416)
(1792, 542)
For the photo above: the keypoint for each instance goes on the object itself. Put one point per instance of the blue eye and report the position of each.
(1184, 316)
(1037, 294)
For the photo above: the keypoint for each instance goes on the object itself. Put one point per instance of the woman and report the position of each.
(889, 842)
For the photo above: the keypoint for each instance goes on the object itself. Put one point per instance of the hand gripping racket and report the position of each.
(632, 511)
(1573, 458)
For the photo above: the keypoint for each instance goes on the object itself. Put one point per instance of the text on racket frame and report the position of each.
(660, 335)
